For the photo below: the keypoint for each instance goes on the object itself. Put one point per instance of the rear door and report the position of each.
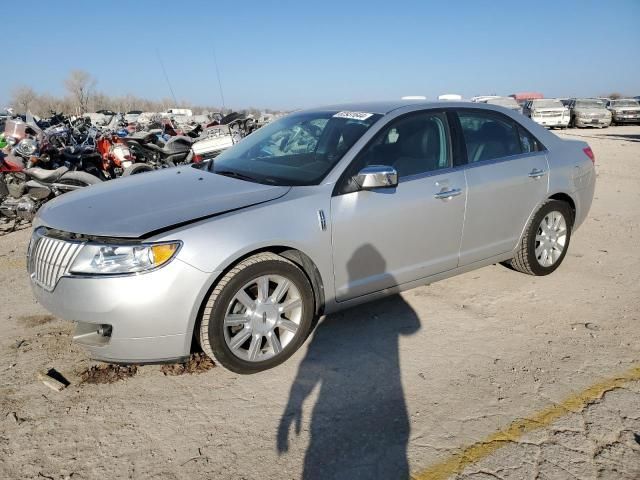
(507, 178)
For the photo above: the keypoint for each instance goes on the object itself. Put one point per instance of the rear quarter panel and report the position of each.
(572, 172)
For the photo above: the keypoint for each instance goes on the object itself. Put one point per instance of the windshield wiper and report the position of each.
(238, 175)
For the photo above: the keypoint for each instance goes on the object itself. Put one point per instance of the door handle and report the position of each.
(448, 194)
(537, 173)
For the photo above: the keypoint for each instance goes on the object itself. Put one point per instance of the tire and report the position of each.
(137, 168)
(256, 352)
(82, 179)
(526, 260)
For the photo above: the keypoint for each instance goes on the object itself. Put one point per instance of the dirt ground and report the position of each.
(419, 384)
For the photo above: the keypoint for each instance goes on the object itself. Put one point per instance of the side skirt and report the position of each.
(336, 306)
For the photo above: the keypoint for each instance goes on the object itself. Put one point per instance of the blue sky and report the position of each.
(291, 54)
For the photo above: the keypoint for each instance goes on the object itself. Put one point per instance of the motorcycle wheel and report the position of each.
(137, 168)
(79, 179)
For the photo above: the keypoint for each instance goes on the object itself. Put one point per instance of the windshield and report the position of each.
(589, 103)
(504, 102)
(299, 149)
(625, 103)
(547, 103)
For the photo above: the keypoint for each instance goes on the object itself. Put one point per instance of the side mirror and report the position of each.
(377, 176)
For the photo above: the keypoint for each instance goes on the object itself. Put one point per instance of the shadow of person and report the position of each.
(359, 425)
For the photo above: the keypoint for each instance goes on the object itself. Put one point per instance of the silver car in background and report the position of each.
(588, 112)
(624, 110)
(318, 211)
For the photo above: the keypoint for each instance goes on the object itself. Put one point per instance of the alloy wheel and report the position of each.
(263, 318)
(551, 238)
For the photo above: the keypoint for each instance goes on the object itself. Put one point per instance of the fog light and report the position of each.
(104, 330)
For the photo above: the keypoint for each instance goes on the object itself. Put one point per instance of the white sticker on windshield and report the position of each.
(353, 115)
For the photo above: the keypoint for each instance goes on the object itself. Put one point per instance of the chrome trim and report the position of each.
(377, 176)
(322, 220)
(49, 259)
(442, 171)
(448, 194)
(537, 173)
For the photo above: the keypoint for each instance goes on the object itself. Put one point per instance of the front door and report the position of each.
(389, 236)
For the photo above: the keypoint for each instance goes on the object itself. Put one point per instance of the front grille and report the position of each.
(49, 259)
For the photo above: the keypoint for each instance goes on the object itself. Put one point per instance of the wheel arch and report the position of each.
(301, 259)
(561, 196)
(564, 197)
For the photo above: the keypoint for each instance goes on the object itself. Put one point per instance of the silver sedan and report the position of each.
(321, 210)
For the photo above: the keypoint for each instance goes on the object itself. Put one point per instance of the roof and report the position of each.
(384, 107)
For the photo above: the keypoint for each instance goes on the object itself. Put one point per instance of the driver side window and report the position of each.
(413, 144)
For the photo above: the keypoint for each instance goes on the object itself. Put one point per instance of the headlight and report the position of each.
(120, 259)
(27, 147)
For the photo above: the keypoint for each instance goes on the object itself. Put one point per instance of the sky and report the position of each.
(296, 54)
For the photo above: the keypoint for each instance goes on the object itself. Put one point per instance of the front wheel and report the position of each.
(258, 315)
(545, 241)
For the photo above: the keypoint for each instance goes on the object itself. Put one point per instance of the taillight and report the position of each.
(589, 153)
(197, 158)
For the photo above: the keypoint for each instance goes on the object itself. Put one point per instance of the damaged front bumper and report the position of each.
(144, 318)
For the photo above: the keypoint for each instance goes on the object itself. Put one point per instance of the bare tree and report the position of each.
(22, 97)
(80, 85)
(614, 96)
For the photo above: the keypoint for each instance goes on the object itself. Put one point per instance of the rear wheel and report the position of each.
(78, 179)
(258, 315)
(545, 240)
(137, 168)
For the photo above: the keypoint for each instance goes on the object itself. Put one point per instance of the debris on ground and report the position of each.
(197, 363)
(35, 320)
(14, 416)
(54, 380)
(107, 373)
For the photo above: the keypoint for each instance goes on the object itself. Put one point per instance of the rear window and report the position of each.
(489, 136)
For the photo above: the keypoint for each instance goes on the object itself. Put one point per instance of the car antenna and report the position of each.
(166, 77)
(215, 62)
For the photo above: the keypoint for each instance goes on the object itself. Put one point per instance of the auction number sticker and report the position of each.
(353, 115)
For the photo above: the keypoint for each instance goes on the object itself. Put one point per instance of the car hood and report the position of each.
(137, 206)
(626, 109)
(550, 109)
(590, 111)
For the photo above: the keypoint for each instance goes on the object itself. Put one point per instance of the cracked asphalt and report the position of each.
(601, 441)
(492, 374)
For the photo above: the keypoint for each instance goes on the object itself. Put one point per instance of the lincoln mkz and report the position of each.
(321, 210)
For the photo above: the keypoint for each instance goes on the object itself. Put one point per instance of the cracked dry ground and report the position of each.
(599, 442)
(393, 388)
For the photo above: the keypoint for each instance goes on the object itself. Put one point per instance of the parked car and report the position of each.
(588, 112)
(506, 102)
(624, 110)
(524, 97)
(321, 210)
(547, 112)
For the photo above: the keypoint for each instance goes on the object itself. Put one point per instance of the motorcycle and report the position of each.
(24, 190)
(160, 149)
